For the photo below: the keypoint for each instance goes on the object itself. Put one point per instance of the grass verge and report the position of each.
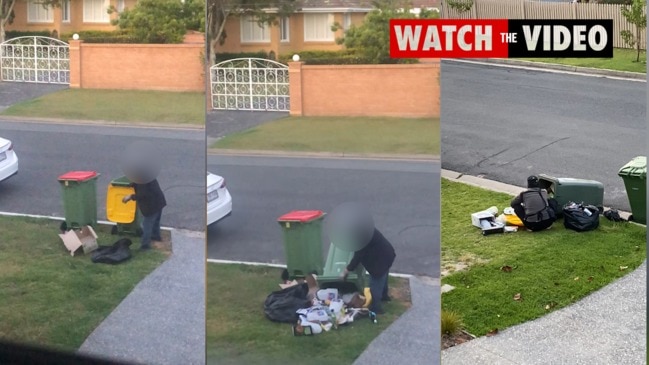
(623, 60)
(239, 333)
(52, 299)
(340, 135)
(116, 106)
(549, 269)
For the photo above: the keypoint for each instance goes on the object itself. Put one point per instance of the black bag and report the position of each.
(117, 253)
(282, 305)
(613, 215)
(576, 217)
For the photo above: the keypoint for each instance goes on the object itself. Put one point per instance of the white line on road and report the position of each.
(539, 69)
(279, 266)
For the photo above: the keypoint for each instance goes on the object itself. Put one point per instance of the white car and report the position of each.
(219, 201)
(8, 160)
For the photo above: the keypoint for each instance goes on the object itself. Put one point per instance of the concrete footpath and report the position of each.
(607, 327)
(162, 321)
(414, 337)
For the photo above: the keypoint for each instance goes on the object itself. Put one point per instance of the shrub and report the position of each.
(220, 57)
(98, 36)
(451, 323)
(17, 33)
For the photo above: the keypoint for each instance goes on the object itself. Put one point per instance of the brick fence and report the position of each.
(404, 90)
(166, 67)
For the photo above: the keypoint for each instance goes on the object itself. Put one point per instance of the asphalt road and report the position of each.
(46, 151)
(507, 124)
(404, 197)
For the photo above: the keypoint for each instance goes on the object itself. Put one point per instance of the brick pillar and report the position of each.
(75, 64)
(295, 88)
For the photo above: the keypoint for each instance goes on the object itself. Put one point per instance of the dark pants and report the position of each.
(151, 229)
(379, 291)
(532, 226)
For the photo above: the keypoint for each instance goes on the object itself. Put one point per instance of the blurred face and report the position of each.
(350, 226)
(140, 162)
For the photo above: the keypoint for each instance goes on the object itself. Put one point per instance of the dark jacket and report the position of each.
(149, 197)
(535, 202)
(377, 257)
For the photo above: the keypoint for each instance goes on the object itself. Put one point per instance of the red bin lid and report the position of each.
(301, 216)
(78, 175)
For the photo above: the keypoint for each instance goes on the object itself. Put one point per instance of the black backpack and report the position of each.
(282, 305)
(577, 218)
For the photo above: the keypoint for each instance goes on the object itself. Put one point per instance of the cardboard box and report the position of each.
(85, 238)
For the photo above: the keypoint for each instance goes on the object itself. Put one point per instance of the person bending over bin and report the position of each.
(141, 165)
(350, 227)
(533, 207)
(150, 200)
(377, 258)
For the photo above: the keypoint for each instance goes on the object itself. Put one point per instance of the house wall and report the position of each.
(168, 67)
(404, 90)
(296, 41)
(76, 19)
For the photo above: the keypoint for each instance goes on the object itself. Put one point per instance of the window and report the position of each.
(317, 28)
(347, 21)
(252, 32)
(120, 6)
(37, 13)
(284, 30)
(65, 11)
(95, 11)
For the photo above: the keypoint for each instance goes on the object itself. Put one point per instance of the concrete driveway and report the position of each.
(15, 92)
(219, 123)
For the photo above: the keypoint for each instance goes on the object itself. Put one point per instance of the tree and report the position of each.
(371, 40)
(6, 16)
(161, 21)
(635, 14)
(219, 11)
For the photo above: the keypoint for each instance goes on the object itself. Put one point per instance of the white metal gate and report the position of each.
(250, 84)
(35, 59)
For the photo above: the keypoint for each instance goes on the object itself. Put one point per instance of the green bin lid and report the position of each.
(637, 167)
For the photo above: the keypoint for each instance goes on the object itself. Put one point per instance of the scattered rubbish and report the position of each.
(486, 221)
(119, 252)
(622, 268)
(506, 268)
(518, 297)
(613, 215)
(85, 238)
(493, 332)
(580, 218)
(446, 288)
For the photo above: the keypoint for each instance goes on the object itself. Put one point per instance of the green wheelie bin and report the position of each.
(565, 190)
(634, 175)
(302, 231)
(337, 261)
(79, 191)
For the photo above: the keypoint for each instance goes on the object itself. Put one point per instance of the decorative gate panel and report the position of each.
(250, 84)
(35, 59)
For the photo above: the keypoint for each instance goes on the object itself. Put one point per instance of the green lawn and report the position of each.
(550, 269)
(341, 135)
(116, 106)
(623, 60)
(50, 298)
(239, 333)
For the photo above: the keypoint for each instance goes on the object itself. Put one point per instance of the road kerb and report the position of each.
(557, 68)
(269, 153)
(499, 187)
(281, 266)
(36, 120)
(61, 219)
